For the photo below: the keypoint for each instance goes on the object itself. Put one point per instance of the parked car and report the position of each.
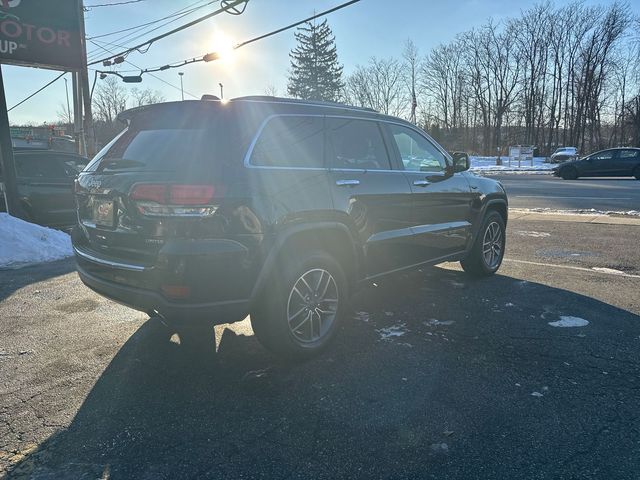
(45, 186)
(614, 162)
(564, 154)
(203, 212)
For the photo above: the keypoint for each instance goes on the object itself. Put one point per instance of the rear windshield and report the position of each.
(166, 144)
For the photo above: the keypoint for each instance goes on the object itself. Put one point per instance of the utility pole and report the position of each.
(89, 132)
(181, 85)
(11, 195)
(221, 91)
(78, 134)
(66, 88)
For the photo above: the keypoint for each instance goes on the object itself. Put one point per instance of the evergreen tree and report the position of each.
(315, 72)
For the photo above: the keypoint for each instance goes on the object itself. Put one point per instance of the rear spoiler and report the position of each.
(126, 116)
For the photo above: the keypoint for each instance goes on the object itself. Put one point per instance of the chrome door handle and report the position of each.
(421, 183)
(347, 183)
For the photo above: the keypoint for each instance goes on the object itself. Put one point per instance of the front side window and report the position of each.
(290, 141)
(418, 154)
(606, 155)
(356, 144)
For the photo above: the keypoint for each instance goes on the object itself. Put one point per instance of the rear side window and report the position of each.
(629, 153)
(290, 141)
(356, 144)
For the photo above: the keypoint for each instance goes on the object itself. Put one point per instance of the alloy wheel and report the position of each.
(492, 245)
(312, 306)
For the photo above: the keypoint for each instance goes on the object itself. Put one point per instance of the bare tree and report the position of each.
(65, 116)
(378, 85)
(109, 99)
(146, 97)
(271, 90)
(412, 62)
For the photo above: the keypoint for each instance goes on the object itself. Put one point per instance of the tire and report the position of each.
(289, 321)
(569, 173)
(492, 230)
(636, 173)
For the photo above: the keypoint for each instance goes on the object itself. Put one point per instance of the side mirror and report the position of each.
(461, 162)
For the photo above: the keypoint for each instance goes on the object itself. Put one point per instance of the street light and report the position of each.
(221, 91)
(181, 85)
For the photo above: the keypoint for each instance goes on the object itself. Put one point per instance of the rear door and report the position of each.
(376, 198)
(628, 161)
(44, 182)
(441, 200)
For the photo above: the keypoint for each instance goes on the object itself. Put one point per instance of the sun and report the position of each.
(222, 45)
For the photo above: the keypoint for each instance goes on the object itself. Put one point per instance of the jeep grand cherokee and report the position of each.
(202, 212)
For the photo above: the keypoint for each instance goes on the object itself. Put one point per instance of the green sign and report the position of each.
(42, 33)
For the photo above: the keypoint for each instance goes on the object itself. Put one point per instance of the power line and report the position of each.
(37, 91)
(228, 6)
(154, 76)
(292, 25)
(139, 33)
(213, 56)
(89, 7)
(178, 12)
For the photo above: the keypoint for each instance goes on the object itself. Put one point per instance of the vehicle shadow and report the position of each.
(376, 404)
(14, 279)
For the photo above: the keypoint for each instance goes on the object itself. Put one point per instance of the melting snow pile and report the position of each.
(393, 331)
(22, 243)
(488, 164)
(570, 322)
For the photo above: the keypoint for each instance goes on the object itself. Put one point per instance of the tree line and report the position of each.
(553, 76)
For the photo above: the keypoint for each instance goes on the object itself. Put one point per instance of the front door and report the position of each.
(602, 164)
(376, 198)
(441, 205)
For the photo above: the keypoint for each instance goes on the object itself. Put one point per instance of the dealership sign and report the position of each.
(43, 33)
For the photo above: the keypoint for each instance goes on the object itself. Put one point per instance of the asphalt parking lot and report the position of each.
(434, 375)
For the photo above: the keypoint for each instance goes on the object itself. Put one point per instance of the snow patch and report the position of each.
(527, 233)
(579, 211)
(433, 322)
(363, 316)
(392, 331)
(537, 394)
(566, 321)
(23, 243)
(612, 271)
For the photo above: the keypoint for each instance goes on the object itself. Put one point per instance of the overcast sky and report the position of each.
(368, 28)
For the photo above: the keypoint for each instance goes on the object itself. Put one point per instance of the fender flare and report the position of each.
(285, 235)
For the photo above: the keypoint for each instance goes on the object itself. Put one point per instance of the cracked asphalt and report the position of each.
(433, 375)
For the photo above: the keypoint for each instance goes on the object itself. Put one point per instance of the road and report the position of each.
(546, 191)
(437, 376)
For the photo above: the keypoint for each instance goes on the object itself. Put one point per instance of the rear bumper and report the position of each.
(151, 302)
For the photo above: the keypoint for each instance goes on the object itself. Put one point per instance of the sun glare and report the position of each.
(223, 46)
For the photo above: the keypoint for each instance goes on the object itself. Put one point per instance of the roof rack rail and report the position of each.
(320, 103)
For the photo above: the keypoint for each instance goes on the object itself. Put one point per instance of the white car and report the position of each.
(564, 154)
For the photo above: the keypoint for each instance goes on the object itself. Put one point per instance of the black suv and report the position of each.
(202, 212)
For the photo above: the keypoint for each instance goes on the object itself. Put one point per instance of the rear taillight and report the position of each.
(169, 200)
